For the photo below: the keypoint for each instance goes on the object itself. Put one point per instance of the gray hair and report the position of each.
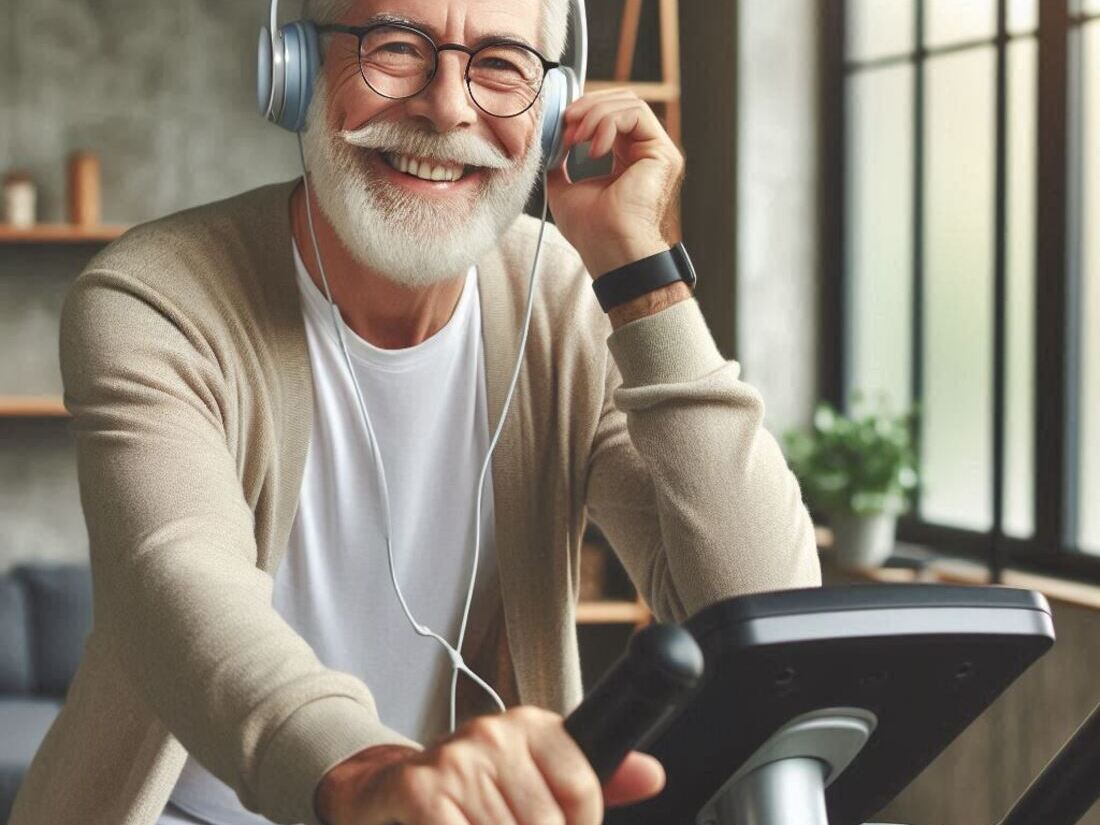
(554, 25)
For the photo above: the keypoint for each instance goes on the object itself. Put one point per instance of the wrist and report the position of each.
(646, 286)
(649, 304)
(612, 254)
(336, 793)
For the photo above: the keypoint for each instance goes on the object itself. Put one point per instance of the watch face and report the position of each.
(687, 269)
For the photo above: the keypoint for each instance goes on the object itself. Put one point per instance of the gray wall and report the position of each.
(164, 94)
(777, 192)
(39, 506)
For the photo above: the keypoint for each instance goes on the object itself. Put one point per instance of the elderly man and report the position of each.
(235, 503)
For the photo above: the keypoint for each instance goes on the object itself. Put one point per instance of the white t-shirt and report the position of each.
(428, 407)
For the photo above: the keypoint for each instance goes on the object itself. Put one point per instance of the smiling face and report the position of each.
(418, 189)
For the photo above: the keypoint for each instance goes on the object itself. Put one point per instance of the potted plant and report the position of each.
(860, 472)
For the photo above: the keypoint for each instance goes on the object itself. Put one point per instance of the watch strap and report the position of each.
(622, 285)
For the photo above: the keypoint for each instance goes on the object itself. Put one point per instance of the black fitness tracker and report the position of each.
(619, 286)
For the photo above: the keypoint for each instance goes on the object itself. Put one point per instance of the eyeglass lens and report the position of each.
(504, 80)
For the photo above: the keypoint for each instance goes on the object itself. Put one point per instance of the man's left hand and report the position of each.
(629, 214)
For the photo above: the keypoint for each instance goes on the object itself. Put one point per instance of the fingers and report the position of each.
(620, 120)
(412, 797)
(614, 124)
(580, 107)
(592, 105)
(487, 804)
(640, 777)
(566, 771)
(528, 795)
(516, 768)
(518, 781)
(628, 116)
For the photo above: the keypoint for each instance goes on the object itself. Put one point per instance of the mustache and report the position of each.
(456, 146)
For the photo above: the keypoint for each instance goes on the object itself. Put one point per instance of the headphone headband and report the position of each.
(274, 24)
(271, 76)
(578, 16)
(289, 60)
(578, 60)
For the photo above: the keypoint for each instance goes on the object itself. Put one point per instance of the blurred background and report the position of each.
(894, 210)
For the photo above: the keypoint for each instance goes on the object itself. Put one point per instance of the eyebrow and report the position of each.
(423, 25)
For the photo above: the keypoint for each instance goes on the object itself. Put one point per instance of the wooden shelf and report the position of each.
(649, 92)
(612, 613)
(47, 233)
(32, 406)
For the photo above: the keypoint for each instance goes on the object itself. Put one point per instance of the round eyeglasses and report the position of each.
(504, 78)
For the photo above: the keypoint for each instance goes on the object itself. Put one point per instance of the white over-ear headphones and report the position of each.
(290, 60)
(563, 86)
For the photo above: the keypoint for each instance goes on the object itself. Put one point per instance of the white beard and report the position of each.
(413, 241)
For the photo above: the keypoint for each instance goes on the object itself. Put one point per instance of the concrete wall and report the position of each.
(39, 504)
(164, 94)
(777, 192)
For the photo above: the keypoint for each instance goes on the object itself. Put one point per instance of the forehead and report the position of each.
(470, 18)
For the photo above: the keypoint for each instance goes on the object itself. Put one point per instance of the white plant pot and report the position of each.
(862, 542)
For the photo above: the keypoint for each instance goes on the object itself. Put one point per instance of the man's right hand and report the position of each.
(516, 768)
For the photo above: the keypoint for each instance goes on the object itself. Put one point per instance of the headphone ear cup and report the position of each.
(559, 89)
(301, 64)
(264, 80)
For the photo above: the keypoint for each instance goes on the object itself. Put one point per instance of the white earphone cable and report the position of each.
(452, 652)
(531, 282)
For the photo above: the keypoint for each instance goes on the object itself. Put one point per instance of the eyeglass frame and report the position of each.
(362, 31)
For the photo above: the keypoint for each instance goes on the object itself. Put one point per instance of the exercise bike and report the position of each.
(818, 706)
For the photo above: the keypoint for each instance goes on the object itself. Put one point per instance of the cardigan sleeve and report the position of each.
(178, 594)
(692, 491)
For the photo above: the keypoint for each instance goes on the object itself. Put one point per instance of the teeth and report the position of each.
(424, 169)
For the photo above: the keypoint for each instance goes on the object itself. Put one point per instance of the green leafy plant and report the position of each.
(863, 464)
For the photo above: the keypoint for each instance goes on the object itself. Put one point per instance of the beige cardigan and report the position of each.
(187, 373)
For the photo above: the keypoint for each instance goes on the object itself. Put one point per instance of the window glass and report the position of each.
(1090, 6)
(879, 28)
(1019, 481)
(958, 328)
(1023, 16)
(880, 226)
(1088, 511)
(955, 21)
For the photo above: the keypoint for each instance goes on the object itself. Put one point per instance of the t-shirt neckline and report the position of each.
(363, 351)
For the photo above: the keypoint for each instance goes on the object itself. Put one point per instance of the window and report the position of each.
(952, 205)
(1088, 522)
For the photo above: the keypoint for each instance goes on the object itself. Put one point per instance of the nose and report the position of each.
(446, 102)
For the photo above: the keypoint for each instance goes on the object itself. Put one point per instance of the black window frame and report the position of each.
(1053, 547)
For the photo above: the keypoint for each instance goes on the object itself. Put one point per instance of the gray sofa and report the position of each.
(45, 615)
